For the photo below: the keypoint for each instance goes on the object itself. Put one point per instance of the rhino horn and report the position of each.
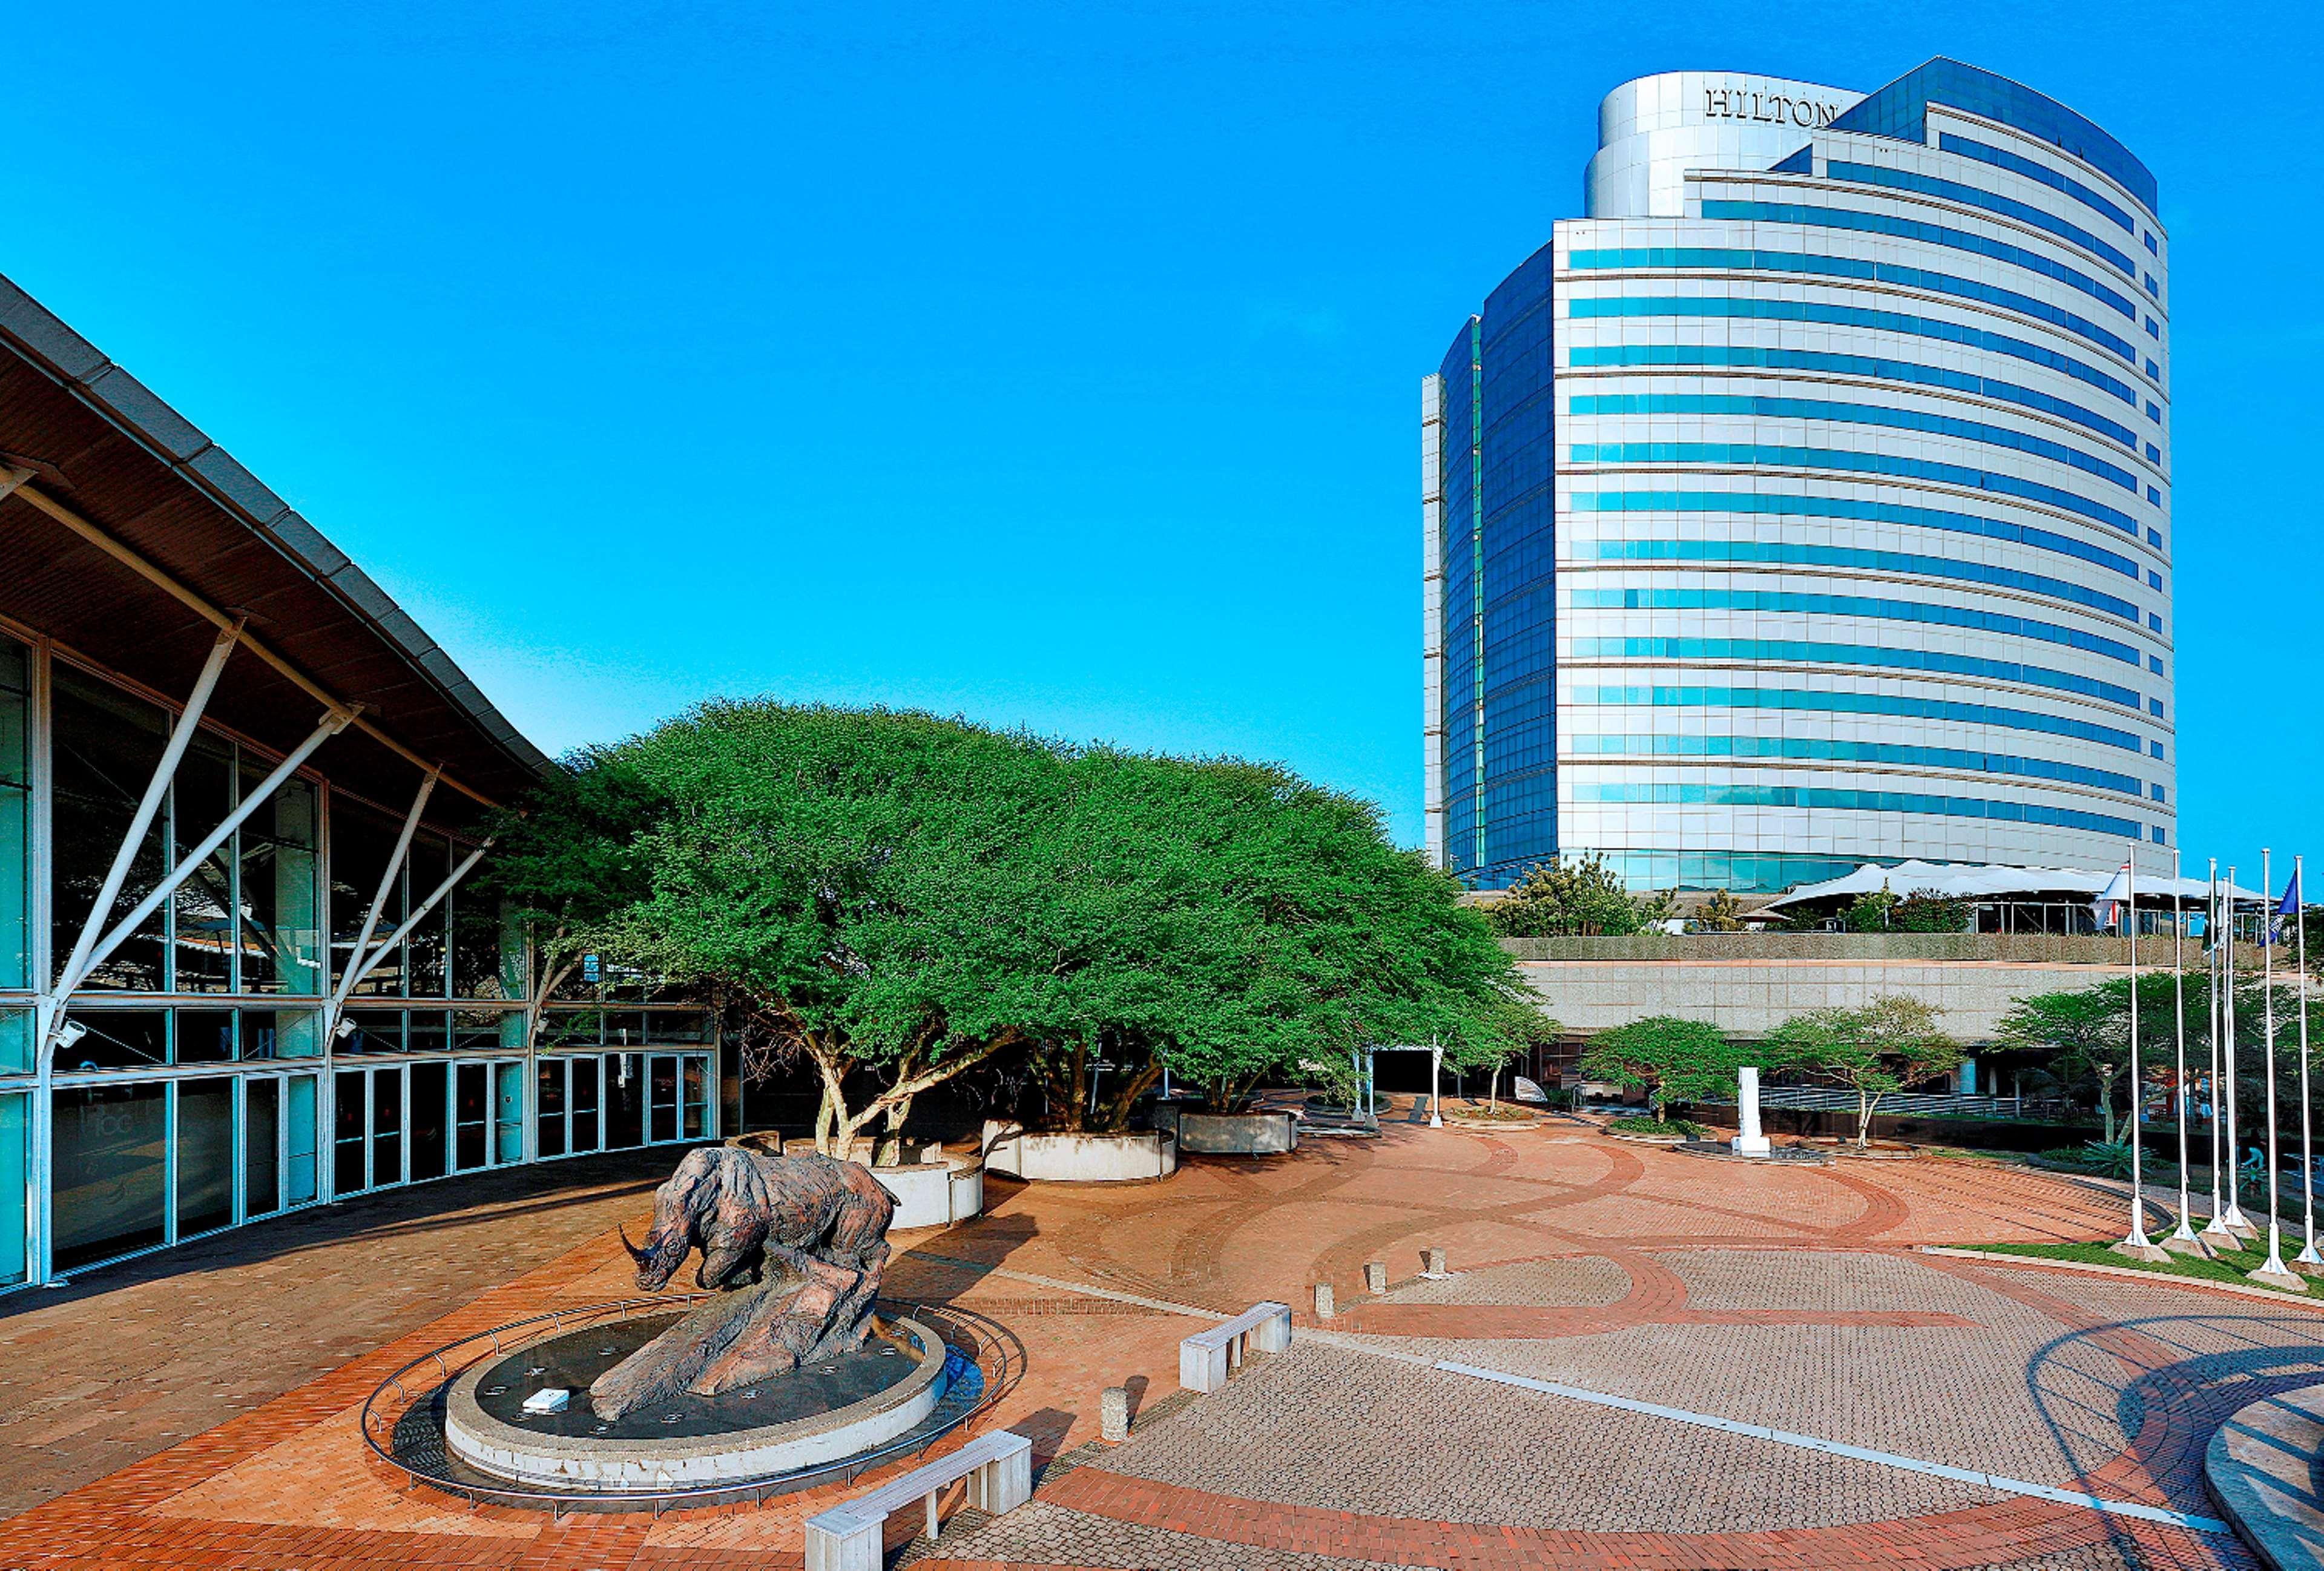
(636, 1254)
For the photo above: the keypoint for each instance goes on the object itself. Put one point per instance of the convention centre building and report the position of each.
(1808, 502)
(240, 794)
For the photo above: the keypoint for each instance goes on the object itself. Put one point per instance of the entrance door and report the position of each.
(472, 1117)
(695, 1097)
(581, 1092)
(387, 1126)
(429, 1115)
(549, 1108)
(626, 1101)
(350, 1117)
(661, 1099)
(262, 1145)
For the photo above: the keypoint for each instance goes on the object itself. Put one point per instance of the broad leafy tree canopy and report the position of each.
(913, 894)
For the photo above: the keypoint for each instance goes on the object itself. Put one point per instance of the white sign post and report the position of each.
(1747, 1142)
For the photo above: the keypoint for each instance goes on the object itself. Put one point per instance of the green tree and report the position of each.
(1924, 911)
(1560, 898)
(836, 873)
(1670, 1058)
(1888, 1045)
(1721, 914)
(894, 898)
(1239, 920)
(565, 868)
(1870, 912)
(1492, 1035)
(2087, 1032)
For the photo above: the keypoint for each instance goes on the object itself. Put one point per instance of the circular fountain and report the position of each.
(840, 1405)
(782, 1370)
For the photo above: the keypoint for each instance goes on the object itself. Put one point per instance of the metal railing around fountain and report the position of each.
(409, 1439)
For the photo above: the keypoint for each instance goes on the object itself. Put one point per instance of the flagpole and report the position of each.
(2237, 1220)
(2184, 1233)
(2136, 1244)
(2299, 902)
(2272, 1270)
(2215, 1229)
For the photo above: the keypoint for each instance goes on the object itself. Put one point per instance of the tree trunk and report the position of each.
(2106, 1105)
(1866, 1101)
(889, 1149)
(1115, 1114)
(1493, 1091)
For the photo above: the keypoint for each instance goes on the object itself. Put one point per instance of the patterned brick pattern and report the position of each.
(197, 1410)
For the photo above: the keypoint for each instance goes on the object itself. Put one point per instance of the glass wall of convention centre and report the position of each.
(1808, 502)
(196, 1085)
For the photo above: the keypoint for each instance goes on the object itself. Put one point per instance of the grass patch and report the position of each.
(1677, 1128)
(2232, 1266)
(1506, 1113)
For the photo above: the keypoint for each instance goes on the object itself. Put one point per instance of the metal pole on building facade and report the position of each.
(2182, 1239)
(2135, 1242)
(2299, 903)
(2215, 1229)
(2237, 1222)
(2272, 1269)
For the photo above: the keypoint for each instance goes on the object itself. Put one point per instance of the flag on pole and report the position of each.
(2289, 906)
(2111, 896)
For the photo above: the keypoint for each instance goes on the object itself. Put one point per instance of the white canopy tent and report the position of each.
(1994, 881)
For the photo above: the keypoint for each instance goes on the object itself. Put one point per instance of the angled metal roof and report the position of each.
(108, 449)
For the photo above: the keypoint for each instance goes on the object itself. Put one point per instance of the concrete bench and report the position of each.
(853, 1537)
(1207, 1358)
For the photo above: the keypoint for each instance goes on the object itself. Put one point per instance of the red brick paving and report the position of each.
(288, 1483)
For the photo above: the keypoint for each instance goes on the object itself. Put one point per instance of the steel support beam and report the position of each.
(49, 1008)
(355, 970)
(19, 481)
(366, 962)
(181, 736)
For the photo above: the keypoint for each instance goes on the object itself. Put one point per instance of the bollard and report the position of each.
(1431, 1264)
(1376, 1278)
(1114, 1415)
(1323, 1301)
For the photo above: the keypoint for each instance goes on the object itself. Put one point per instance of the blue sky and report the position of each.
(1053, 366)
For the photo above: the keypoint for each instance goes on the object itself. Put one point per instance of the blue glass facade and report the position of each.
(1855, 531)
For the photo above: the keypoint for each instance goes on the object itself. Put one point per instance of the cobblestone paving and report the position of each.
(215, 1388)
(133, 1358)
(1517, 1455)
(1583, 1281)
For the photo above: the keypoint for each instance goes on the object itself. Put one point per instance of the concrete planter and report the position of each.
(1466, 1121)
(935, 1191)
(935, 1194)
(1879, 1150)
(1230, 1135)
(1128, 1156)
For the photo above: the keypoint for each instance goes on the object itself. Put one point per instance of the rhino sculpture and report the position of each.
(796, 1244)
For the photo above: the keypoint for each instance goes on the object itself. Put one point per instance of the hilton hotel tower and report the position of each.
(1808, 502)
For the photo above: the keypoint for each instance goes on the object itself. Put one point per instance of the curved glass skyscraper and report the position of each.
(1808, 502)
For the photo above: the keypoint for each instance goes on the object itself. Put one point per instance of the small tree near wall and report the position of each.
(1889, 1045)
(1670, 1058)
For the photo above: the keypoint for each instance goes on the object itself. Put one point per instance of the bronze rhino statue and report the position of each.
(795, 1245)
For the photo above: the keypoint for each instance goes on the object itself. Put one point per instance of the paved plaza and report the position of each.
(1707, 1333)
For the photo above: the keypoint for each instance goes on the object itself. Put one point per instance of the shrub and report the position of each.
(1684, 1127)
(1924, 911)
(1721, 914)
(1562, 899)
